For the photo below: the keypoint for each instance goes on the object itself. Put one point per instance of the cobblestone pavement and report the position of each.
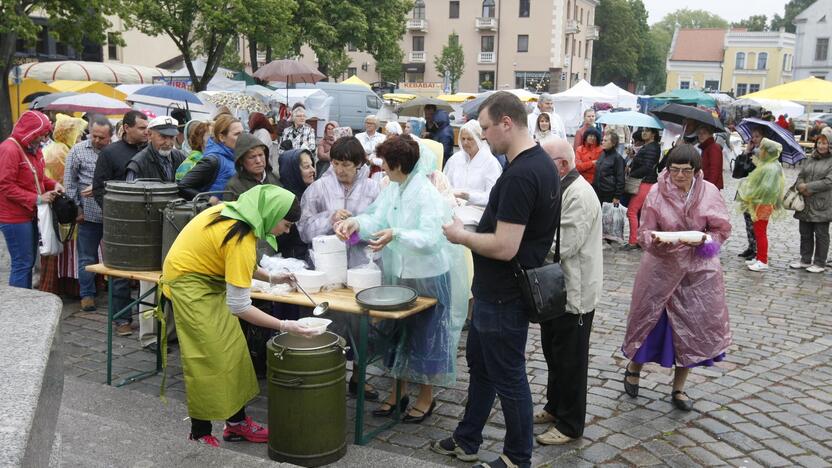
(768, 404)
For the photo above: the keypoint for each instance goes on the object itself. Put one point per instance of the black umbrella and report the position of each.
(34, 96)
(471, 108)
(679, 113)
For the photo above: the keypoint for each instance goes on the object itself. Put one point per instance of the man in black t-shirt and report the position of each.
(519, 224)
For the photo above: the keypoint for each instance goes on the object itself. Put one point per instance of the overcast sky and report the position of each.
(731, 10)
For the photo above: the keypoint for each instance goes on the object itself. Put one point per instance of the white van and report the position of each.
(351, 103)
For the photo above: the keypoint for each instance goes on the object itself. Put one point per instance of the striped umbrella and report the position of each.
(792, 151)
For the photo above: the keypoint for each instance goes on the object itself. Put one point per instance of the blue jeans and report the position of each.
(496, 355)
(89, 238)
(121, 297)
(22, 244)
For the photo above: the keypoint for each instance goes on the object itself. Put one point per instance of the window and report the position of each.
(581, 16)
(740, 64)
(43, 41)
(351, 71)
(488, 8)
(419, 9)
(533, 81)
(785, 62)
(418, 43)
(579, 48)
(522, 43)
(753, 88)
(453, 11)
(742, 89)
(568, 9)
(822, 48)
(684, 84)
(586, 49)
(486, 80)
(762, 61)
(525, 8)
(712, 85)
(487, 44)
(372, 102)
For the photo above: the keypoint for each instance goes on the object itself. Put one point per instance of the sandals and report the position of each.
(631, 388)
(390, 408)
(684, 405)
(409, 418)
(553, 437)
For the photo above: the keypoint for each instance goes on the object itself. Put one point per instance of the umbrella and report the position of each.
(290, 72)
(630, 118)
(237, 101)
(167, 96)
(43, 101)
(89, 102)
(416, 107)
(792, 151)
(34, 96)
(678, 113)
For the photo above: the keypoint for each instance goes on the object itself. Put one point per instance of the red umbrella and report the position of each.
(290, 72)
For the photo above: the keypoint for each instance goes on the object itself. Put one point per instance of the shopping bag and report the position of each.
(613, 218)
(50, 241)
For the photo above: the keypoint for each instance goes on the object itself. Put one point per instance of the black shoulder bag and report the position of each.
(544, 288)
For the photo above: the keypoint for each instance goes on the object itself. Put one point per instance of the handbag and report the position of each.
(793, 200)
(742, 166)
(631, 185)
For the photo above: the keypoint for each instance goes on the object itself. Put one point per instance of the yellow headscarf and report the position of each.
(66, 133)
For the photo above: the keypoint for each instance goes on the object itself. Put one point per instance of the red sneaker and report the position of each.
(246, 430)
(207, 440)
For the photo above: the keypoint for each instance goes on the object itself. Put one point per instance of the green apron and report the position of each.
(219, 375)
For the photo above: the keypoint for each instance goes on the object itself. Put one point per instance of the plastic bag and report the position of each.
(278, 264)
(50, 241)
(613, 219)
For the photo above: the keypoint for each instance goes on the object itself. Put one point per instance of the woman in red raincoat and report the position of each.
(678, 315)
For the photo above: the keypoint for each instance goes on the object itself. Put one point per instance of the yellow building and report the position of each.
(757, 60)
(729, 60)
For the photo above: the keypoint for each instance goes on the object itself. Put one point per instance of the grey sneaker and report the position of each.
(449, 447)
(815, 269)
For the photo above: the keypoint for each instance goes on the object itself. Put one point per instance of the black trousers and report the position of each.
(201, 428)
(565, 343)
(749, 231)
(814, 243)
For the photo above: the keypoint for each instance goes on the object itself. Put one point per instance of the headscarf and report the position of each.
(66, 133)
(393, 128)
(475, 130)
(186, 145)
(261, 207)
(289, 167)
(817, 154)
(761, 193)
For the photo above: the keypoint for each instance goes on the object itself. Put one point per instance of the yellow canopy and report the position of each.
(88, 87)
(357, 81)
(399, 97)
(809, 90)
(27, 87)
(456, 98)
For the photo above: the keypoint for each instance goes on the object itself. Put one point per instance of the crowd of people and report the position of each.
(275, 186)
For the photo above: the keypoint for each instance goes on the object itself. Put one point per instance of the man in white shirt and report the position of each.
(546, 103)
(370, 138)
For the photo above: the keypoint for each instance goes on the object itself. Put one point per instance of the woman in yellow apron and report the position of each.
(207, 276)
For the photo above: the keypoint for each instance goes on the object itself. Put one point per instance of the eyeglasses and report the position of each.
(680, 170)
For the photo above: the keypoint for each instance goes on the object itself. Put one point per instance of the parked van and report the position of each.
(351, 103)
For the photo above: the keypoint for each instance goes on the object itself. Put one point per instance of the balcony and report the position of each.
(420, 25)
(487, 57)
(572, 27)
(592, 33)
(486, 24)
(416, 57)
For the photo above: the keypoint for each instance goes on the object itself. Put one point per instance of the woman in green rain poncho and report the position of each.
(207, 276)
(405, 224)
(761, 195)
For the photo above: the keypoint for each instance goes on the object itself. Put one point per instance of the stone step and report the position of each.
(106, 426)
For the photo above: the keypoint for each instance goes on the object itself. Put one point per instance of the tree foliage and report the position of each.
(622, 43)
(389, 67)
(755, 23)
(793, 8)
(70, 21)
(451, 61)
(204, 28)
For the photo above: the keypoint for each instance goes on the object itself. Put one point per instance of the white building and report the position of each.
(814, 32)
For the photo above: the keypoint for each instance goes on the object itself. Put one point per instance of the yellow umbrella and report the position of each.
(399, 97)
(456, 98)
(809, 90)
(356, 81)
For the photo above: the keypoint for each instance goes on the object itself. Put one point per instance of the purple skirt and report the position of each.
(658, 347)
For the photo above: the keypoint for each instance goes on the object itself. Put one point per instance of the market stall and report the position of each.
(571, 104)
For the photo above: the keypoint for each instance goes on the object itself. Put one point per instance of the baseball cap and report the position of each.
(165, 124)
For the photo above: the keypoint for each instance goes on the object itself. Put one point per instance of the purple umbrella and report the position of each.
(792, 151)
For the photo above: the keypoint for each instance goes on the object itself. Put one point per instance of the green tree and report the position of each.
(390, 67)
(204, 28)
(618, 49)
(451, 61)
(793, 8)
(753, 23)
(69, 21)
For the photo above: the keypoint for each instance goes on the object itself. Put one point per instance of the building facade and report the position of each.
(540, 45)
(735, 60)
(814, 32)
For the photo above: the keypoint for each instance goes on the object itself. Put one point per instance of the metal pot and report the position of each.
(307, 399)
(179, 213)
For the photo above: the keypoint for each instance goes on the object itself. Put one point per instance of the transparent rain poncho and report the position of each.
(421, 257)
(761, 193)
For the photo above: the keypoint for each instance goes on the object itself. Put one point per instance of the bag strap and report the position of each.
(567, 180)
(32, 167)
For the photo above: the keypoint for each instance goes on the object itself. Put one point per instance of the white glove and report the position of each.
(280, 278)
(296, 328)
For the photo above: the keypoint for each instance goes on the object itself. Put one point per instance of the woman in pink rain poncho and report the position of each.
(678, 315)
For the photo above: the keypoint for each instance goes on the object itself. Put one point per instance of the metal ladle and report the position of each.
(321, 308)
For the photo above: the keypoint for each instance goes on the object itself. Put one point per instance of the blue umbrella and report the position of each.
(792, 151)
(630, 118)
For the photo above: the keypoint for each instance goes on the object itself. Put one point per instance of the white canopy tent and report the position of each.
(623, 98)
(199, 68)
(570, 104)
(776, 106)
(316, 101)
(221, 83)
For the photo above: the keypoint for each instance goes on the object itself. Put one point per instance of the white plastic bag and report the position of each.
(613, 219)
(50, 242)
